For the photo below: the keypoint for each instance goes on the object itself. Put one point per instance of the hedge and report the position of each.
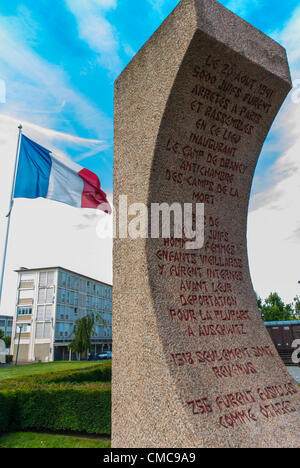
(83, 408)
(101, 373)
(6, 407)
(78, 401)
(57, 407)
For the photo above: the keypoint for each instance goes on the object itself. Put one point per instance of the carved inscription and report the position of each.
(227, 105)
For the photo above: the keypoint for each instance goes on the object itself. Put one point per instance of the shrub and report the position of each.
(101, 373)
(60, 407)
(8, 358)
(76, 400)
(6, 405)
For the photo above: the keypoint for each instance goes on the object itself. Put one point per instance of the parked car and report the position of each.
(106, 355)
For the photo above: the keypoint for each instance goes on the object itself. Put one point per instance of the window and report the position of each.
(49, 295)
(25, 329)
(44, 313)
(40, 313)
(50, 278)
(24, 310)
(43, 330)
(39, 330)
(43, 279)
(48, 312)
(72, 298)
(46, 278)
(42, 296)
(45, 295)
(47, 330)
(27, 278)
(62, 278)
(76, 298)
(25, 294)
(63, 295)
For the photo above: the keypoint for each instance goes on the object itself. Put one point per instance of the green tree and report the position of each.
(1, 334)
(259, 301)
(7, 341)
(83, 329)
(297, 307)
(274, 309)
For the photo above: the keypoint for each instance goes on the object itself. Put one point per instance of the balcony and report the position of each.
(26, 301)
(24, 318)
(26, 285)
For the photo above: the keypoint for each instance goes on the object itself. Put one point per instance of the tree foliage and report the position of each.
(297, 306)
(7, 341)
(274, 309)
(82, 331)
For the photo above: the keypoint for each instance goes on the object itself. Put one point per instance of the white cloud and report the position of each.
(241, 7)
(94, 28)
(274, 218)
(129, 50)
(38, 90)
(289, 37)
(39, 95)
(101, 3)
(158, 5)
(45, 233)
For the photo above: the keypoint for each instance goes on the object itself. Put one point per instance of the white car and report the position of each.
(105, 355)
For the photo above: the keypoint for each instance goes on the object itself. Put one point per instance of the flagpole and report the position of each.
(9, 212)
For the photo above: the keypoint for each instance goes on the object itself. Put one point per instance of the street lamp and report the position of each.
(20, 327)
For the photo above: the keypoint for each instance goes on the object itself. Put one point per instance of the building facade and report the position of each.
(49, 301)
(6, 322)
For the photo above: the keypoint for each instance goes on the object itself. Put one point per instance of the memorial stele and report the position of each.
(193, 365)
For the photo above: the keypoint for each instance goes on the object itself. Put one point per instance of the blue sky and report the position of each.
(59, 60)
(82, 46)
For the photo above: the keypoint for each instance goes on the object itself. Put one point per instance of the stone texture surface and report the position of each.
(193, 365)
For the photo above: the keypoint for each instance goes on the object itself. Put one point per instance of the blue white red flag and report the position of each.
(42, 174)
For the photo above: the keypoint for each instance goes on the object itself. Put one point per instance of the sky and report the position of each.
(58, 63)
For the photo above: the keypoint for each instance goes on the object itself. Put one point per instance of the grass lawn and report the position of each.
(12, 372)
(36, 440)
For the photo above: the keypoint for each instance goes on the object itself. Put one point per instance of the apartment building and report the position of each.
(6, 322)
(49, 301)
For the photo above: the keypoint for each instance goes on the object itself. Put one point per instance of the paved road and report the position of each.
(295, 372)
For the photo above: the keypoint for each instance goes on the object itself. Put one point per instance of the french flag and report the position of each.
(42, 174)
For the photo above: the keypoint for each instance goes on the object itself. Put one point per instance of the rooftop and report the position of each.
(23, 270)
